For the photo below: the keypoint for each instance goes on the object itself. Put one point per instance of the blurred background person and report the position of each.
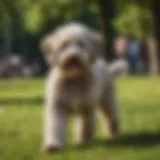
(121, 46)
(133, 55)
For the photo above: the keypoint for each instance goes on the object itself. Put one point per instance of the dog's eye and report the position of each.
(81, 44)
(64, 45)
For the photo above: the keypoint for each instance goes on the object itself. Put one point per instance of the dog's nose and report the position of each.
(73, 61)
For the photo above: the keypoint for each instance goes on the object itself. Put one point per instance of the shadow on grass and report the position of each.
(21, 101)
(139, 140)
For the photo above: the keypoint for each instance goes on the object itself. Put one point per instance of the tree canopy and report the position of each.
(28, 20)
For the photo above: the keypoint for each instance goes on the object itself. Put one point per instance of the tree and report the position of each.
(5, 25)
(155, 48)
(106, 10)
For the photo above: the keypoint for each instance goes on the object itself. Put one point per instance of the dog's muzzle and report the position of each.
(74, 65)
(73, 62)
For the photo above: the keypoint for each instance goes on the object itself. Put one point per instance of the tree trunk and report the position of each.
(18, 18)
(153, 57)
(106, 10)
(7, 40)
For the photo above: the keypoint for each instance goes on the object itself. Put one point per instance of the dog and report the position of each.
(80, 81)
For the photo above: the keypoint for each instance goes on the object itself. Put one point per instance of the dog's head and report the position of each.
(72, 48)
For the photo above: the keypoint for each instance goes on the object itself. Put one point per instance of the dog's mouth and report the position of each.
(74, 67)
(73, 63)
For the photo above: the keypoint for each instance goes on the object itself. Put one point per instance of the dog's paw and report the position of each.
(51, 148)
(114, 130)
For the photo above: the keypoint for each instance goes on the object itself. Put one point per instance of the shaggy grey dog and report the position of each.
(79, 81)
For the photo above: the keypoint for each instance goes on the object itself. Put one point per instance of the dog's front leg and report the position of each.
(55, 127)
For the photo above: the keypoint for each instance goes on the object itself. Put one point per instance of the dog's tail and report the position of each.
(118, 67)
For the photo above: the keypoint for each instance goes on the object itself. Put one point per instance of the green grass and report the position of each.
(21, 123)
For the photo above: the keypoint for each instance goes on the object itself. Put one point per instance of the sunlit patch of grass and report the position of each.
(21, 123)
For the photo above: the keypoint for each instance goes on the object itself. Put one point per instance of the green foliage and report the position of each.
(24, 22)
(5, 15)
(28, 20)
(134, 20)
(38, 13)
(33, 17)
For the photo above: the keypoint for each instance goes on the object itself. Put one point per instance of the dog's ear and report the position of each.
(97, 45)
(46, 46)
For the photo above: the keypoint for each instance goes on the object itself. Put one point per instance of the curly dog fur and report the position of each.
(79, 81)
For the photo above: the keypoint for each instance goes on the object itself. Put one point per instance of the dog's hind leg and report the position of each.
(85, 126)
(109, 110)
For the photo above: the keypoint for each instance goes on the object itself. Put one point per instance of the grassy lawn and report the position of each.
(21, 120)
